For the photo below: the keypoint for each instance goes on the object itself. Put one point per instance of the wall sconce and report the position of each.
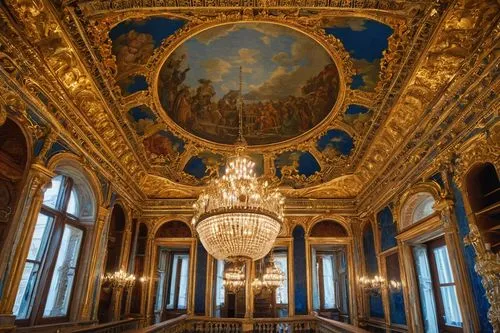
(395, 286)
(372, 285)
(120, 279)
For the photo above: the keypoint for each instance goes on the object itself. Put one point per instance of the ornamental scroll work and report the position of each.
(48, 36)
(168, 129)
(488, 267)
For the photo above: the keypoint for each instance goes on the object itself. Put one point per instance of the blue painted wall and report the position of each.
(387, 229)
(299, 265)
(201, 280)
(480, 300)
(376, 306)
(396, 298)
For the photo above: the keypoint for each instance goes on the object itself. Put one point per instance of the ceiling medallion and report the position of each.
(292, 84)
(238, 216)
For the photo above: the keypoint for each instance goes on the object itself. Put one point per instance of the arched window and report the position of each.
(50, 272)
(13, 161)
(417, 208)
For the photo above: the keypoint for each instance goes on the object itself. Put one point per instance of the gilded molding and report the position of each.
(488, 266)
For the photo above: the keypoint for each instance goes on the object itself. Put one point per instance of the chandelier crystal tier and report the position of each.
(238, 216)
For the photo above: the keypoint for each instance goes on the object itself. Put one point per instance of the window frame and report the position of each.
(436, 285)
(60, 218)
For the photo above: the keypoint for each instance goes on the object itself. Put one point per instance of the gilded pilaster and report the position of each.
(26, 216)
(145, 294)
(357, 313)
(95, 266)
(149, 267)
(469, 315)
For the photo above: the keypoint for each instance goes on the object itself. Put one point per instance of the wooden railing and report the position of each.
(298, 324)
(113, 327)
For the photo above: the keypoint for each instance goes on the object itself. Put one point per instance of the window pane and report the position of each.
(282, 291)
(22, 304)
(443, 265)
(40, 236)
(52, 194)
(452, 316)
(73, 204)
(424, 209)
(64, 273)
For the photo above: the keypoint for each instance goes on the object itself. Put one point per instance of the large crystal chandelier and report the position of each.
(238, 216)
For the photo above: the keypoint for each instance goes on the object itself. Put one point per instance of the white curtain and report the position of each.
(282, 291)
(182, 302)
(328, 282)
(219, 285)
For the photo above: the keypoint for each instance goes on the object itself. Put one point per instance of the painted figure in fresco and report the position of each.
(183, 107)
(286, 88)
(160, 145)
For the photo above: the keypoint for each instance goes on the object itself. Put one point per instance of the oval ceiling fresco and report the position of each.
(289, 83)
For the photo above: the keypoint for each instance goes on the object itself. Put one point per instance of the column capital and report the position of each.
(49, 141)
(102, 213)
(443, 205)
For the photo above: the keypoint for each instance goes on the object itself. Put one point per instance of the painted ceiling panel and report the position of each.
(365, 40)
(313, 110)
(288, 83)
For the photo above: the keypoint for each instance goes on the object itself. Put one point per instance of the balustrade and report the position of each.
(113, 327)
(298, 324)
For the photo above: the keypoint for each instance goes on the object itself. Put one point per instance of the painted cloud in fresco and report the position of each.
(296, 163)
(132, 49)
(133, 43)
(334, 143)
(205, 164)
(289, 83)
(365, 40)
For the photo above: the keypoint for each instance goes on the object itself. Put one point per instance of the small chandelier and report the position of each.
(120, 279)
(234, 278)
(374, 285)
(238, 217)
(271, 279)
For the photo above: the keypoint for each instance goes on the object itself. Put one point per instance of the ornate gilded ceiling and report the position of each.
(337, 97)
